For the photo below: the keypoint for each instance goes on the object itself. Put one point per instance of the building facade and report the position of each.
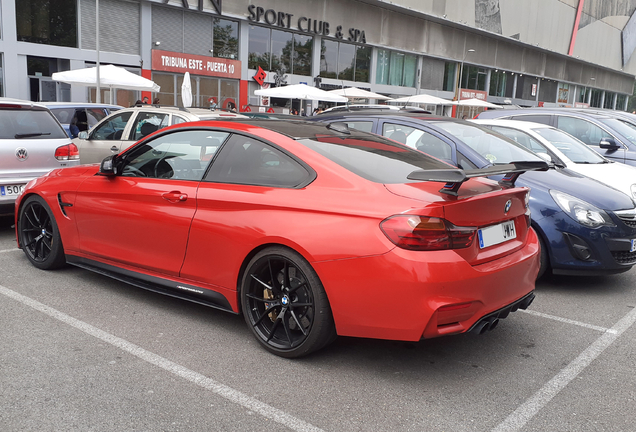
(546, 53)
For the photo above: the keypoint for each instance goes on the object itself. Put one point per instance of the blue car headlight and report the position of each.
(583, 212)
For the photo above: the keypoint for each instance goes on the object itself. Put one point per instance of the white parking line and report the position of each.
(11, 250)
(568, 321)
(541, 398)
(228, 393)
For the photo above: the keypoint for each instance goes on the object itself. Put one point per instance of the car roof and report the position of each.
(22, 102)
(301, 129)
(547, 111)
(516, 124)
(193, 113)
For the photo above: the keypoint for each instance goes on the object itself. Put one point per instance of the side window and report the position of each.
(147, 123)
(418, 139)
(177, 119)
(182, 155)
(113, 128)
(545, 119)
(521, 138)
(464, 163)
(584, 130)
(244, 160)
(364, 126)
(94, 116)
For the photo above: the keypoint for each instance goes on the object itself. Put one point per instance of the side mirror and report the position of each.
(108, 167)
(83, 135)
(608, 144)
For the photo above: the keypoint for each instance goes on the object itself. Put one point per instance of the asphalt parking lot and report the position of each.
(80, 351)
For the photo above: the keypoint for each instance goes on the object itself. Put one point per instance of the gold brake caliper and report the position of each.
(269, 295)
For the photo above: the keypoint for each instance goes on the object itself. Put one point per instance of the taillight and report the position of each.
(424, 233)
(67, 152)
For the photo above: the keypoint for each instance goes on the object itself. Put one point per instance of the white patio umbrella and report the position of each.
(300, 91)
(109, 76)
(423, 99)
(186, 91)
(358, 93)
(475, 103)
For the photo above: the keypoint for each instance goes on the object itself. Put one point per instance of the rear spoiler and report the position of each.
(455, 177)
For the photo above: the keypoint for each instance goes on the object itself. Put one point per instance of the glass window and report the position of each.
(490, 145)
(548, 90)
(208, 91)
(498, 81)
(166, 82)
(52, 22)
(382, 67)
(113, 128)
(29, 123)
(364, 126)
(449, 76)
(147, 123)
(1, 74)
(526, 87)
(583, 130)
(396, 68)
(225, 38)
(473, 78)
(620, 100)
(410, 70)
(522, 138)
(281, 51)
(582, 94)
(363, 63)
(329, 59)
(418, 139)
(346, 61)
(595, 100)
(572, 148)
(303, 48)
(244, 160)
(608, 102)
(94, 116)
(544, 119)
(621, 127)
(182, 155)
(374, 159)
(259, 49)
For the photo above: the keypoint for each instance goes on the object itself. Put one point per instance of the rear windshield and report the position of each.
(379, 161)
(29, 124)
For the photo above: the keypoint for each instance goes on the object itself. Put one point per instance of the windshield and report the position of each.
(492, 146)
(572, 148)
(621, 128)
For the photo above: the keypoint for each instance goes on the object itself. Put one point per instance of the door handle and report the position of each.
(114, 149)
(175, 196)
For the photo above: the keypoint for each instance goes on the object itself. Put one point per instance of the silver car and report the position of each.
(32, 143)
(122, 129)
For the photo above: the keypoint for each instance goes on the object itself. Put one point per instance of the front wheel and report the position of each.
(285, 304)
(39, 236)
(544, 259)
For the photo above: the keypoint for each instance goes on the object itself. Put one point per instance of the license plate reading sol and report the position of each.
(9, 190)
(496, 234)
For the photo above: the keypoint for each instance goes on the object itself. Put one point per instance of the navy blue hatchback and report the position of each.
(585, 227)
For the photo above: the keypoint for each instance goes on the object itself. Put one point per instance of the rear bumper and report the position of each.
(406, 295)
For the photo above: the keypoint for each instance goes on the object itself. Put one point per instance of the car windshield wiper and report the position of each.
(32, 134)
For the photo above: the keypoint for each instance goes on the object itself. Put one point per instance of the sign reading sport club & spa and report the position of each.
(168, 61)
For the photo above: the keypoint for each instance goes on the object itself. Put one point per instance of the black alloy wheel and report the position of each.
(39, 236)
(285, 304)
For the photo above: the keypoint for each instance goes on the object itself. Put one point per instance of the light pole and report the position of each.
(98, 97)
(461, 70)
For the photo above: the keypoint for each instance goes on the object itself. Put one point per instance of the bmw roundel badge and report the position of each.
(507, 206)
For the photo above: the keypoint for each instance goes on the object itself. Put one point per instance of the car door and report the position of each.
(591, 134)
(105, 139)
(141, 217)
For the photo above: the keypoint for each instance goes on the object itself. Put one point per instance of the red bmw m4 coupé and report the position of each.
(307, 230)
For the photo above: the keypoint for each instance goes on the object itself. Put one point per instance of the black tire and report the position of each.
(39, 236)
(544, 259)
(288, 319)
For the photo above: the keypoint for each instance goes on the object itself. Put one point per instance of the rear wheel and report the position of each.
(285, 304)
(39, 236)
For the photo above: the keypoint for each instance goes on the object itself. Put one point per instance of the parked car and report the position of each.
(585, 227)
(377, 107)
(609, 136)
(32, 143)
(123, 128)
(79, 117)
(562, 149)
(305, 229)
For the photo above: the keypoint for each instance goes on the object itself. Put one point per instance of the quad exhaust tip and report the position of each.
(490, 321)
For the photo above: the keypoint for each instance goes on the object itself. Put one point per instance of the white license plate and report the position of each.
(496, 234)
(10, 190)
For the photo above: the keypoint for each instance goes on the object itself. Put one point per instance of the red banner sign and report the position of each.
(472, 94)
(168, 61)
